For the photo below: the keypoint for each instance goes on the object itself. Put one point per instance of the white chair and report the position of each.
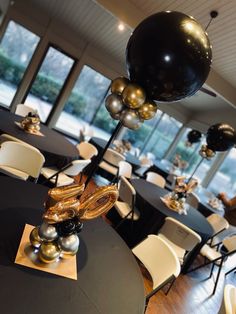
(23, 110)
(20, 161)
(156, 178)
(219, 224)
(7, 137)
(111, 161)
(214, 257)
(229, 300)
(125, 206)
(193, 200)
(159, 259)
(87, 150)
(181, 238)
(125, 169)
(65, 175)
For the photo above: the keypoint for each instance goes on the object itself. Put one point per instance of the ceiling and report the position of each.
(96, 22)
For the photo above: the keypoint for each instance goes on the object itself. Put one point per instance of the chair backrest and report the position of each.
(113, 157)
(125, 169)
(145, 161)
(159, 259)
(86, 150)
(180, 234)
(127, 192)
(22, 157)
(193, 200)
(229, 300)
(230, 243)
(23, 110)
(156, 179)
(76, 167)
(218, 223)
(6, 137)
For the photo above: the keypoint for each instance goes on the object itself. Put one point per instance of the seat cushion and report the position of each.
(63, 179)
(123, 209)
(209, 252)
(180, 252)
(109, 168)
(13, 172)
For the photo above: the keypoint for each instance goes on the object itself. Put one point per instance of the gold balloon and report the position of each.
(133, 96)
(35, 239)
(49, 252)
(147, 110)
(118, 85)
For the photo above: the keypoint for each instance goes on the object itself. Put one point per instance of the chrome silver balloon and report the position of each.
(47, 232)
(130, 119)
(69, 244)
(114, 104)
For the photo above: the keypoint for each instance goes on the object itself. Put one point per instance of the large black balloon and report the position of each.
(169, 55)
(194, 136)
(220, 137)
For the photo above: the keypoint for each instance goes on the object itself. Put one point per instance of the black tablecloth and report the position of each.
(57, 150)
(100, 144)
(109, 279)
(159, 168)
(153, 212)
(203, 206)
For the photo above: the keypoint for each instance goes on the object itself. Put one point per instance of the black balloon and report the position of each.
(169, 55)
(66, 227)
(220, 137)
(194, 136)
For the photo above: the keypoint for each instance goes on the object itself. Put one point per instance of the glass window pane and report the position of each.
(82, 106)
(138, 137)
(49, 82)
(224, 179)
(163, 136)
(16, 50)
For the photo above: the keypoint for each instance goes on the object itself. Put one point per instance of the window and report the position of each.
(85, 106)
(49, 81)
(224, 179)
(163, 136)
(16, 49)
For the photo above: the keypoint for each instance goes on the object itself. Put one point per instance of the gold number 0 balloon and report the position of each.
(98, 202)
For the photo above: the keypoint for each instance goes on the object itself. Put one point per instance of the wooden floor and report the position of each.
(191, 293)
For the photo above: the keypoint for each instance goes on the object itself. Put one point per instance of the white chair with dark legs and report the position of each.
(110, 162)
(20, 161)
(125, 169)
(87, 150)
(155, 178)
(181, 238)
(228, 305)
(193, 200)
(64, 176)
(160, 260)
(7, 137)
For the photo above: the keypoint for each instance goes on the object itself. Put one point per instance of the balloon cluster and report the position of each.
(193, 136)
(220, 137)
(128, 103)
(56, 240)
(57, 237)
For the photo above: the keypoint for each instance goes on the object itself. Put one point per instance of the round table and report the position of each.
(100, 144)
(153, 212)
(57, 150)
(109, 278)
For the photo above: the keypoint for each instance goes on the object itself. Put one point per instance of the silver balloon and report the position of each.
(47, 232)
(130, 119)
(69, 245)
(114, 104)
(115, 116)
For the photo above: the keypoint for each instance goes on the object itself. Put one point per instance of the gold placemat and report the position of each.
(38, 133)
(27, 257)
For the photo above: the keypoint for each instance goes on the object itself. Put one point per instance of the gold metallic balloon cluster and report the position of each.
(206, 152)
(57, 237)
(128, 103)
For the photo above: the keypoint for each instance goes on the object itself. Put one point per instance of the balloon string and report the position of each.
(198, 165)
(208, 24)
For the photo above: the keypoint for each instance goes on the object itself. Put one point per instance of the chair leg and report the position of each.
(218, 275)
(212, 269)
(230, 271)
(170, 286)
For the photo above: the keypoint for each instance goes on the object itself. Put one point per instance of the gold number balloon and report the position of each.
(118, 85)
(147, 110)
(133, 96)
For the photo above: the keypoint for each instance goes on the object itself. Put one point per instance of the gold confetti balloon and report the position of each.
(118, 85)
(49, 252)
(35, 239)
(133, 96)
(147, 110)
